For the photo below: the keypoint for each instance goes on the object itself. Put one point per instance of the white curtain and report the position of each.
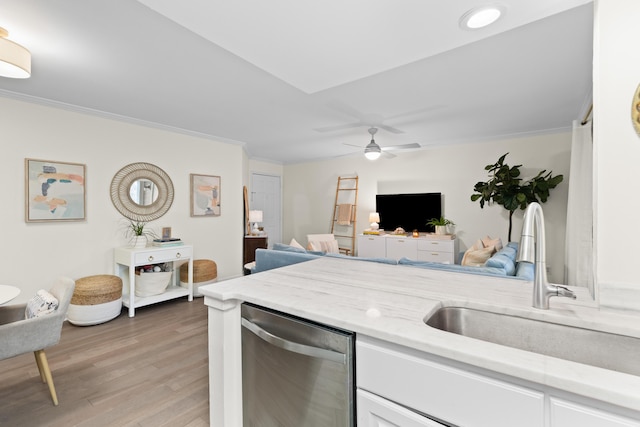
(579, 239)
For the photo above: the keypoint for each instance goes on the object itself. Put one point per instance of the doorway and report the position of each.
(266, 196)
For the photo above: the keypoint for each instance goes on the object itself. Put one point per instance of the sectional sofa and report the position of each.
(502, 263)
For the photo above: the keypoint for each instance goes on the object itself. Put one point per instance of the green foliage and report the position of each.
(440, 221)
(507, 189)
(137, 228)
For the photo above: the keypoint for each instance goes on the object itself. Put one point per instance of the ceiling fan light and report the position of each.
(481, 17)
(15, 60)
(372, 151)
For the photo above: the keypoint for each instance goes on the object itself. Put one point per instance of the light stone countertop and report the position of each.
(391, 302)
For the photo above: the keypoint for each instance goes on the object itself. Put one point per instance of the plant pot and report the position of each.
(139, 242)
(441, 229)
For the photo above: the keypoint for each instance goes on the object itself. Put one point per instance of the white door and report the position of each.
(266, 196)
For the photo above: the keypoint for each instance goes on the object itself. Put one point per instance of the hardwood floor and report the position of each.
(150, 370)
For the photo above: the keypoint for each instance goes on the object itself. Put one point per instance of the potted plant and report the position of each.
(137, 233)
(506, 188)
(440, 224)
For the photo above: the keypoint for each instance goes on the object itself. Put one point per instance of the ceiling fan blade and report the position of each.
(338, 127)
(415, 112)
(353, 145)
(387, 155)
(346, 109)
(390, 129)
(401, 147)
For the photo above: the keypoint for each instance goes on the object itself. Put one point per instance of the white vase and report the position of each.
(441, 229)
(140, 242)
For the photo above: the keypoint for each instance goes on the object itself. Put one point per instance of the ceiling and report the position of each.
(295, 81)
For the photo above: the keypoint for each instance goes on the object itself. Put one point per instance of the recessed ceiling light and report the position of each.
(480, 17)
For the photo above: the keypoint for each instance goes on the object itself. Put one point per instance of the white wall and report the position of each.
(617, 152)
(35, 253)
(309, 188)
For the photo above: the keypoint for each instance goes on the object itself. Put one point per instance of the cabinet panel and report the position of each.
(450, 394)
(398, 247)
(569, 414)
(374, 411)
(372, 246)
(251, 243)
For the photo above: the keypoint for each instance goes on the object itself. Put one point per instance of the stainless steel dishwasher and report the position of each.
(295, 373)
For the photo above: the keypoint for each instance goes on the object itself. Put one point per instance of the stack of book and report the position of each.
(172, 241)
(373, 232)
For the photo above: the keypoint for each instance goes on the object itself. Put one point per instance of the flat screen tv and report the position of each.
(409, 211)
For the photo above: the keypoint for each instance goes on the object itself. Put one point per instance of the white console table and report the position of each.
(421, 248)
(129, 258)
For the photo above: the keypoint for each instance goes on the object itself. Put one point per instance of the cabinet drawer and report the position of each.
(163, 255)
(436, 245)
(402, 247)
(441, 257)
(448, 393)
(374, 411)
(569, 414)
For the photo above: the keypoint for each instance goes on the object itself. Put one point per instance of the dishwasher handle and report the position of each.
(295, 347)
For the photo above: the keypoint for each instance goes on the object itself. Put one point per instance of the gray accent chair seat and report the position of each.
(19, 335)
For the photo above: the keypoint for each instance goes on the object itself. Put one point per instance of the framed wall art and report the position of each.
(205, 195)
(54, 191)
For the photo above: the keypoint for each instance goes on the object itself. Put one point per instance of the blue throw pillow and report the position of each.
(502, 260)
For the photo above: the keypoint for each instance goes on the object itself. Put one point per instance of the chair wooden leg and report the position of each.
(42, 377)
(43, 365)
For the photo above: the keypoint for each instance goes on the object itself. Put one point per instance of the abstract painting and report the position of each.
(205, 195)
(55, 191)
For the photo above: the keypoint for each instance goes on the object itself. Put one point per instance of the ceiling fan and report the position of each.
(372, 151)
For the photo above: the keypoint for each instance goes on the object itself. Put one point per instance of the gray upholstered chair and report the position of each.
(19, 335)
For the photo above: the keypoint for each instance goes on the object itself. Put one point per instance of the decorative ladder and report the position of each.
(343, 225)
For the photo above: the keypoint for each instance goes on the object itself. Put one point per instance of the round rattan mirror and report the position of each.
(129, 189)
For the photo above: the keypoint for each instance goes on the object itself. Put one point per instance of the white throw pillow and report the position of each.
(295, 244)
(41, 304)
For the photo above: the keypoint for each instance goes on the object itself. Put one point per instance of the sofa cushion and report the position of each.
(505, 258)
(356, 258)
(484, 271)
(288, 248)
(525, 270)
(267, 259)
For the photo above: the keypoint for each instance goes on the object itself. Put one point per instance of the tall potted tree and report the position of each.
(507, 189)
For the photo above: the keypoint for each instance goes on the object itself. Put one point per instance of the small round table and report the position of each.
(7, 293)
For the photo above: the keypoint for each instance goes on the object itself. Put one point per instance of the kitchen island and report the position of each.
(389, 304)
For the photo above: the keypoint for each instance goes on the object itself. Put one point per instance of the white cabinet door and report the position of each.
(371, 246)
(569, 414)
(451, 394)
(374, 411)
(399, 247)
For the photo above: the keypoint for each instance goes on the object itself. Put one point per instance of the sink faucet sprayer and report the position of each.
(532, 250)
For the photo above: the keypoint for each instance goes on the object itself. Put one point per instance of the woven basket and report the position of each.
(204, 270)
(148, 284)
(97, 289)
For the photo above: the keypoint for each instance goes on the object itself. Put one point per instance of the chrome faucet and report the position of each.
(532, 250)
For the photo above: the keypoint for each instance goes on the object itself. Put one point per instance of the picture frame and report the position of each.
(54, 191)
(205, 195)
(166, 232)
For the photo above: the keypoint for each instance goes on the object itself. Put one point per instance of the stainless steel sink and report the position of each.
(591, 347)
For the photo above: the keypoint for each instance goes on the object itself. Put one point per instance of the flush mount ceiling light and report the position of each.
(372, 151)
(15, 60)
(481, 17)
